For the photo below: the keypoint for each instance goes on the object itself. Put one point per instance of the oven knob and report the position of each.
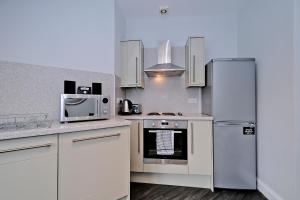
(153, 124)
(176, 125)
(105, 100)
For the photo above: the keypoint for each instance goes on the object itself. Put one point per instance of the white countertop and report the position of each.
(185, 116)
(57, 128)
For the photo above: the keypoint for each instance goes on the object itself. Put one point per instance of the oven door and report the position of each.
(79, 107)
(178, 155)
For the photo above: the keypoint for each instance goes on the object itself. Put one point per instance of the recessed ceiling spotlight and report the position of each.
(164, 10)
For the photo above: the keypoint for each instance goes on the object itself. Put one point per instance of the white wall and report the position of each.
(220, 32)
(266, 30)
(120, 32)
(120, 27)
(297, 87)
(66, 33)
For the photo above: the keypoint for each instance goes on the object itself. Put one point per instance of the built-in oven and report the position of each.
(165, 141)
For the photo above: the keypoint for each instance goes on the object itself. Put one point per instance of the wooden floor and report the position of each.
(141, 191)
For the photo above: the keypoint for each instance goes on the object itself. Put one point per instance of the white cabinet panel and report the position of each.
(136, 146)
(94, 164)
(28, 168)
(132, 63)
(200, 147)
(195, 63)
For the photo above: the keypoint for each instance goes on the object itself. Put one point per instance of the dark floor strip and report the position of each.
(142, 191)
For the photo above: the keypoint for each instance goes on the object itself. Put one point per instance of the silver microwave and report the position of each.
(81, 107)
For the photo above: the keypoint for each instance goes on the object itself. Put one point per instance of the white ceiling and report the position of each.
(177, 8)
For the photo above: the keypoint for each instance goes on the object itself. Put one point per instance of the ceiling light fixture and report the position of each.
(164, 10)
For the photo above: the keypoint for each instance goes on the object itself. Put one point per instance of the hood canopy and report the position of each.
(164, 66)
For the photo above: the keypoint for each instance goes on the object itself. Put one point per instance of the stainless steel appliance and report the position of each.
(136, 109)
(153, 129)
(84, 90)
(230, 97)
(125, 107)
(80, 107)
(165, 67)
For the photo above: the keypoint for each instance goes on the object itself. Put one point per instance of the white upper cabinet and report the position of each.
(132, 64)
(195, 63)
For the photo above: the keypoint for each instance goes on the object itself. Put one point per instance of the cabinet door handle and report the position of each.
(194, 69)
(139, 148)
(136, 70)
(96, 138)
(98, 112)
(26, 148)
(152, 131)
(192, 138)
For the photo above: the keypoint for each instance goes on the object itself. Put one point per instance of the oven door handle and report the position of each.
(153, 131)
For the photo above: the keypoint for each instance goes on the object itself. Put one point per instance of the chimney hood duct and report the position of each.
(164, 66)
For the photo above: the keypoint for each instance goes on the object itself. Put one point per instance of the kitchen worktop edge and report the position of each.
(60, 128)
(184, 117)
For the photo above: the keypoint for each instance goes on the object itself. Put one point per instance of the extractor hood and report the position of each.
(164, 66)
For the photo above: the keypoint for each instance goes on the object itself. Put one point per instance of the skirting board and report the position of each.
(173, 179)
(267, 191)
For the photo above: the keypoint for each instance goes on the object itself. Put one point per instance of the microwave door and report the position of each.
(81, 107)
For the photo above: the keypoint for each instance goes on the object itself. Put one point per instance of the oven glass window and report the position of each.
(179, 150)
(80, 107)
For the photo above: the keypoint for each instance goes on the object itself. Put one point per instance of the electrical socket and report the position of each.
(119, 99)
(192, 100)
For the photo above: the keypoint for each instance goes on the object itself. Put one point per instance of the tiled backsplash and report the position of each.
(166, 94)
(29, 88)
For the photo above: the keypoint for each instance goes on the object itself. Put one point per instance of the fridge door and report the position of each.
(234, 155)
(234, 90)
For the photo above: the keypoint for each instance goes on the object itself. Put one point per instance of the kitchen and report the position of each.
(45, 43)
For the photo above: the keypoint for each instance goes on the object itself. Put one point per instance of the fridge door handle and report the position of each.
(233, 123)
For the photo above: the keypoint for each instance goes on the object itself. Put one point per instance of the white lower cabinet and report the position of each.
(200, 147)
(136, 146)
(94, 164)
(28, 168)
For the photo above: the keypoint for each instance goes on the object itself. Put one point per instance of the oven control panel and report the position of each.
(166, 124)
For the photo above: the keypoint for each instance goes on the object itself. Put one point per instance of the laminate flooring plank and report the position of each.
(142, 191)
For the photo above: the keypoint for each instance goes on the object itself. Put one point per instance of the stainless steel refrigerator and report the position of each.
(230, 97)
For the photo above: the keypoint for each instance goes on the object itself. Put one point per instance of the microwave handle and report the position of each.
(76, 103)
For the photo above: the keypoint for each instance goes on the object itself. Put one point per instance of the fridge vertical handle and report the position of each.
(139, 148)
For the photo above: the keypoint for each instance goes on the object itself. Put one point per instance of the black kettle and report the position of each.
(126, 107)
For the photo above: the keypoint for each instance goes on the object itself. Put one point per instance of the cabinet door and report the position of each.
(187, 63)
(94, 164)
(134, 63)
(200, 147)
(196, 62)
(124, 62)
(136, 146)
(28, 168)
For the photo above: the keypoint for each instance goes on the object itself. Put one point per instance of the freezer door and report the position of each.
(234, 90)
(234, 156)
